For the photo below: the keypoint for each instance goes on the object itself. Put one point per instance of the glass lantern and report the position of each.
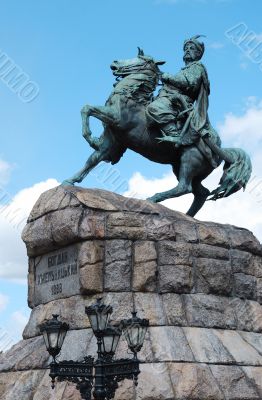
(98, 315)
(134, 330)
(110, 339)
(54, 333)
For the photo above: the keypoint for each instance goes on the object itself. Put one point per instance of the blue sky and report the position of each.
(66, 48)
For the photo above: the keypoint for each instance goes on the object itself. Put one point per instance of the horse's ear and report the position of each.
(140, 52)
(160, 62)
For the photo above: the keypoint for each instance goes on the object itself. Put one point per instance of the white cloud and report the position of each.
(3, 301)
(13, 329)
(17, 323)
(141, 187)
(244, 130)
(13, 215)
(20, 317)
(241, 209)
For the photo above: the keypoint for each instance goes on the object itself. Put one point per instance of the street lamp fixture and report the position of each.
(98, 315)
(135, 330)
(54, 333)
(110, 339)
(99, 377)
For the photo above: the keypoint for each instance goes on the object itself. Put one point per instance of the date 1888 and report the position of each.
(56, 289)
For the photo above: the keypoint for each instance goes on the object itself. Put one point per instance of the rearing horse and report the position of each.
(126, 126)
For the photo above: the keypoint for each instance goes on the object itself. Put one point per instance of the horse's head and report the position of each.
(139, 64)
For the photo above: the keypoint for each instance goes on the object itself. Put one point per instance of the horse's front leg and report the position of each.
(104, 114)
(95, 158)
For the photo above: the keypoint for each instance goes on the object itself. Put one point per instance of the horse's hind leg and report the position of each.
(184, 182)
(181, 189)
(200, 193)
(95, 158)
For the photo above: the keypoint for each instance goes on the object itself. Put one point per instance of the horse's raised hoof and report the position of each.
(67, 183)
(85, 109)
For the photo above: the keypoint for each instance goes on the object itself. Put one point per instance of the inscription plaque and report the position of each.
(56, 275)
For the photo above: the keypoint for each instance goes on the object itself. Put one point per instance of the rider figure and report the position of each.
(180, 109)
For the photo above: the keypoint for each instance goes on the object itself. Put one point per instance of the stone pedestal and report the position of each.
(199, 284)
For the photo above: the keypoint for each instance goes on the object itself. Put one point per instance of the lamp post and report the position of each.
(100, 376)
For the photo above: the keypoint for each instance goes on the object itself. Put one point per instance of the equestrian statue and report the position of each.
(171, 128)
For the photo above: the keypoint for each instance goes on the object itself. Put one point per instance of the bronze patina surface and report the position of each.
(172, 128)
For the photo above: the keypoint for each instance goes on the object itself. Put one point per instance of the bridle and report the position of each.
(143, 67)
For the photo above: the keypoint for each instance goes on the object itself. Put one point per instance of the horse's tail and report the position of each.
(237, 172)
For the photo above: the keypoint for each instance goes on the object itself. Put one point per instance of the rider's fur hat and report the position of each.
(200, 45)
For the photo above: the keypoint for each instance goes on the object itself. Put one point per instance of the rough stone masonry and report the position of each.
(199, 284)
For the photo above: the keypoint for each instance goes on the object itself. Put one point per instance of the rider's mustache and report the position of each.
(189, 52)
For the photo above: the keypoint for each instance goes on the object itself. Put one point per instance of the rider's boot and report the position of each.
(170, 129)
(171, 134)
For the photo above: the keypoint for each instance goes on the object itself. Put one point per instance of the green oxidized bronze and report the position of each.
(172, 128)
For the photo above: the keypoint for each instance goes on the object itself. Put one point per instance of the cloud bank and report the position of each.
(13, 214)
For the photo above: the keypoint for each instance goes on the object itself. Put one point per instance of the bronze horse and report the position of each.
(126, 127)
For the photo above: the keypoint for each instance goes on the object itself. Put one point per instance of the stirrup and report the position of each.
(171, 134)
